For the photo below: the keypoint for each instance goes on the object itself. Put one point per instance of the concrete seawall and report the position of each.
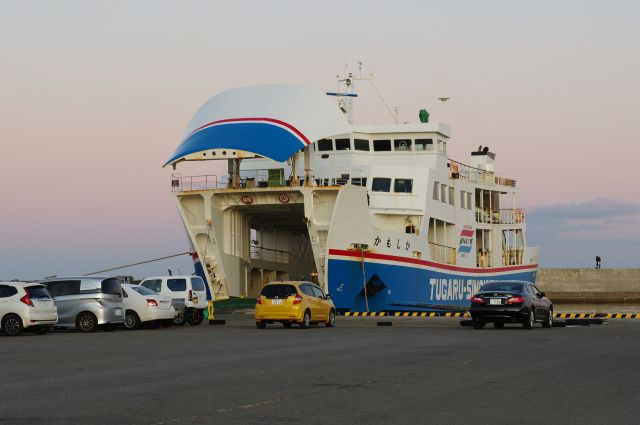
(590, 285)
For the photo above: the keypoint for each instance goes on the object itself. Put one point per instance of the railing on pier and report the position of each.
(501, 216)
(458, 170)
(442, 253)
(268, 254)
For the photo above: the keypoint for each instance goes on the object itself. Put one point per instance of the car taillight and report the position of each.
(259, 300)
(152, 303)
(515, 300)
(190, 295)
(27, 300)
(477, 300)
(297, 299)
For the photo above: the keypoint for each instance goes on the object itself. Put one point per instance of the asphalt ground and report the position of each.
(417, 371)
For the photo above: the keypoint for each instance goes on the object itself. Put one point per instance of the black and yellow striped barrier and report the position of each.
(466, 314)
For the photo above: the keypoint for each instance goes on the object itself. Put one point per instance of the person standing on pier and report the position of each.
(598, 261)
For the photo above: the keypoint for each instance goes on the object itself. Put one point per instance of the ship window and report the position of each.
(424, 144)
(361, 144)
(443, 193)
(452, 195)
(402, 144)
(403, 185)
(462, 199)
(343, 144)
(325, 145)
(469, 201)
(382, 145)
(381, 184)
(436, 190)
(359, 181)
(440, 147)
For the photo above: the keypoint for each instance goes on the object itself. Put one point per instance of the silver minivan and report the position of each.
(87, 302)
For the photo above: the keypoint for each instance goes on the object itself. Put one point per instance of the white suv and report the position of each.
(26, 306)
(188, 296)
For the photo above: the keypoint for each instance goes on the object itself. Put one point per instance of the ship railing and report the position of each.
(501, 216)
(512, 257)
(180, 183)
(442, 253)
(269, 254)
(484, 258)
(458, 170)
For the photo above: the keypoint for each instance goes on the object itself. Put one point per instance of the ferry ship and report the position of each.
(377, 215)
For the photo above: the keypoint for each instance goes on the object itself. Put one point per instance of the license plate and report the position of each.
(276, 302)
(195, 300)
(117, 311)
(494, 301)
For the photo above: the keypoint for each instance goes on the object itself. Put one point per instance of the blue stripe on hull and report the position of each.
(406, 288)
(197, 265)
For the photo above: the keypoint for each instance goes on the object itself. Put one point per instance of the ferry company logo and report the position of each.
(466, 240)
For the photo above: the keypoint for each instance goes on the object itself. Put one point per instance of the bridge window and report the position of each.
(424, 144)
(359, 181)
(403, 185)
(361, 144)
(443, 193)
(343, 144)
(462, 199)
(436, 191)
(402, 144)
(382, 145)
(325, 145)
(452, 195)
(469, 201)
(381, 184)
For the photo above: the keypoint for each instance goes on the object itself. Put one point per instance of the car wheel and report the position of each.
(478, 324)
(287, 324)
(41, 331)
(261, 325)
(195, 316)
(306, 320)
(12, 325)
(530, 320)
(548, 322)
(180, 318)
(498, 325)
(86, 322)
(131, 320)
(332, 319)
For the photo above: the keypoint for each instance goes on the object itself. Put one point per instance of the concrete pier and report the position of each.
(619, 286)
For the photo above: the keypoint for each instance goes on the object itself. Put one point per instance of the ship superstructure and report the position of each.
(377, 215)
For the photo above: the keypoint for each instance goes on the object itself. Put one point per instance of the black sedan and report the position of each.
(510, 302)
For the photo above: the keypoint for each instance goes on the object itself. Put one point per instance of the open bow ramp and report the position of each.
(274, 121)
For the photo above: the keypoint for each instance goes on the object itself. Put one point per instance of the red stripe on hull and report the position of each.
(373, 256)
(272, 120)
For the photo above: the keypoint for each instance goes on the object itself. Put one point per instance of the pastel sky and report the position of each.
(95, 95)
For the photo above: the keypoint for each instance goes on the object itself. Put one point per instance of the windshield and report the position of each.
(515, 288)
(278, 291)
(142, 290)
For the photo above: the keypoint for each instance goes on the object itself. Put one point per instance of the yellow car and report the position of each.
(292, 302)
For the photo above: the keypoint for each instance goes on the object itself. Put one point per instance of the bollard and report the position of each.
(212, 320)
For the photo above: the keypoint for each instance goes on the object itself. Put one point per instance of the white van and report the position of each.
(187, 293)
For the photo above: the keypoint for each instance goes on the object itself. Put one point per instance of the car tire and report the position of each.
(180, 319)
(498, 325)
(306, 320)
(194, 317)
(86, 322)
(261, 325)
(41, 331)
(131, 320)
(332, 319)
(12, 325)
(530, 320)
(287, 324)
(548, 321)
